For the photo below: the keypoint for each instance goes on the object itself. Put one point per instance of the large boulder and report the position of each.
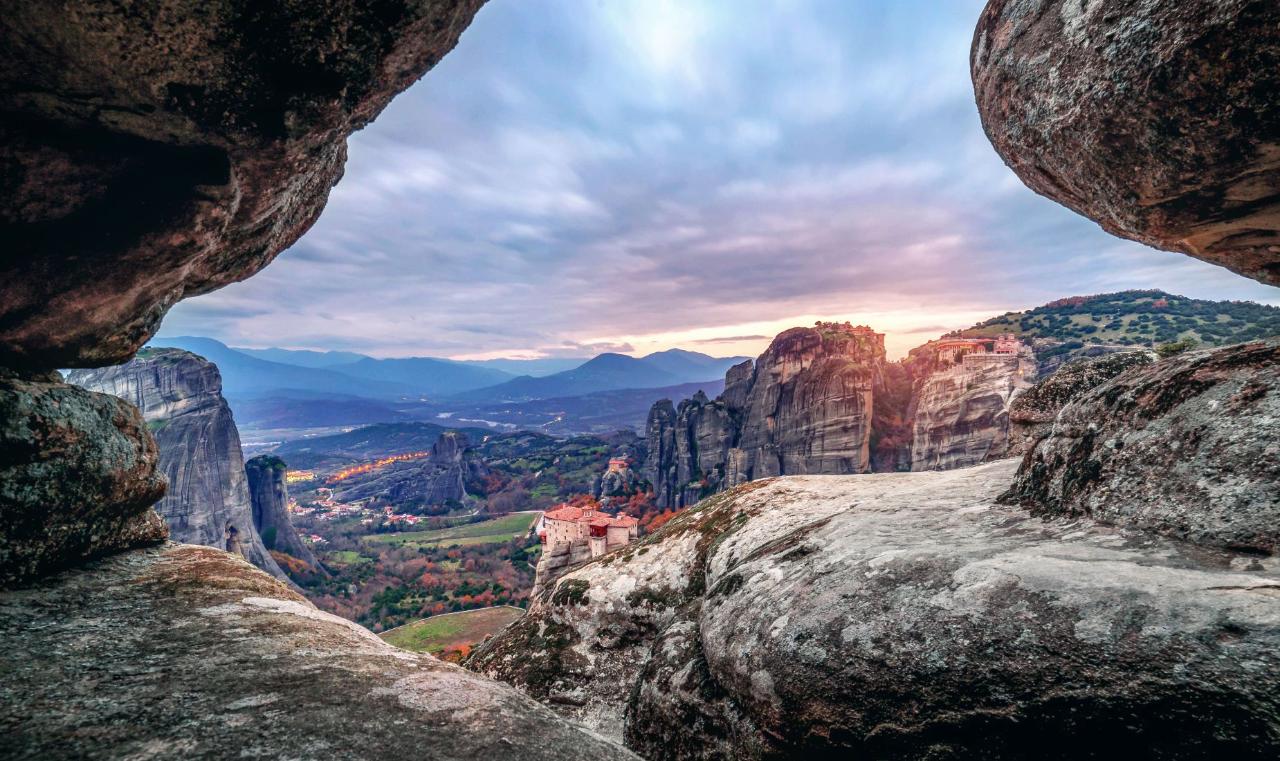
(1159, 120)
(151, 152)
(189, 652)
(77, 477)
(906, 615)
(1032, 412)
(1187, 447)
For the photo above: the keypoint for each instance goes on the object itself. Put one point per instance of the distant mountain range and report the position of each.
(259, 374)
(611, 372)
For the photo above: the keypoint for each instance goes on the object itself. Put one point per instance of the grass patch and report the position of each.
(451, 631)
(493, 531)
(346, 557)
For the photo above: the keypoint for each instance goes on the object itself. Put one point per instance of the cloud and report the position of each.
(622, 176)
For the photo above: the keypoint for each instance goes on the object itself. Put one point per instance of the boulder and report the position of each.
(1187, 447)
(78, 477)
(906, 615)
(1032, 413)
(1158, 120)
(188, 652)
(154, 152)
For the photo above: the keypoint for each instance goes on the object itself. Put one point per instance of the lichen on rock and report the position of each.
(78, 477)
(1188, 447)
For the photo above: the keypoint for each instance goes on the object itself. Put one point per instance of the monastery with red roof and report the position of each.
(600, 532)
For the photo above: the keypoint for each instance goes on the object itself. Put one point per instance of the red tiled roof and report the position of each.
(564, 513)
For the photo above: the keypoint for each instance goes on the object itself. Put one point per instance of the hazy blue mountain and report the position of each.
(606, 372)
(426, 375)
(691, 366)
(246, 376)
(302, 357)
(535, 367)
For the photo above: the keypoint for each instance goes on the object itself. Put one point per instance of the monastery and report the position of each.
(956, 350)
(599, 532)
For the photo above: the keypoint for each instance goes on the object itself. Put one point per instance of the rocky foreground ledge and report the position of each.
(907, 615)
(189, 652)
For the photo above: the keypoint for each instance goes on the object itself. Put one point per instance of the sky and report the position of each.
(578, 177)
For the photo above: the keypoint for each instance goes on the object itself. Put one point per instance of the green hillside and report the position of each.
(1136, 318)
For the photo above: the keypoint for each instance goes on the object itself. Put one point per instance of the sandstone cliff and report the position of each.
(824, 401)
(804, 406)
(269, 495)
(180, 396)
(962, 412)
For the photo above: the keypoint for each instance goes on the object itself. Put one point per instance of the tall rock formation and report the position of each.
(805, 406)
(180, 396)
(269, 494)
(962, 412)
(823, 400)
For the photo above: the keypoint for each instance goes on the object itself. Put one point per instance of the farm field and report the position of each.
(493, 531)
(452, 634)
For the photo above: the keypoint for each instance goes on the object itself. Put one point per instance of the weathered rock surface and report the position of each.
(1159, 120)
(269, 498)
(180, 396)
(77, 477)
(189, 652)
(962, 412)
(1188, 447)
(906, 615)
(805, 406)
(150, 153)
(1032, 413)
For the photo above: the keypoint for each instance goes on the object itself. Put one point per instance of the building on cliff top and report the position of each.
(619, 464)
(599, 532)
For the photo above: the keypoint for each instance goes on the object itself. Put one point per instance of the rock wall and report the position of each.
(427, 485)
(180, 396)
(824, 401)
(905, 615)
(804, 406)
(962, 412)
(269, 496)
(1187, 447)
(1158, 120)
